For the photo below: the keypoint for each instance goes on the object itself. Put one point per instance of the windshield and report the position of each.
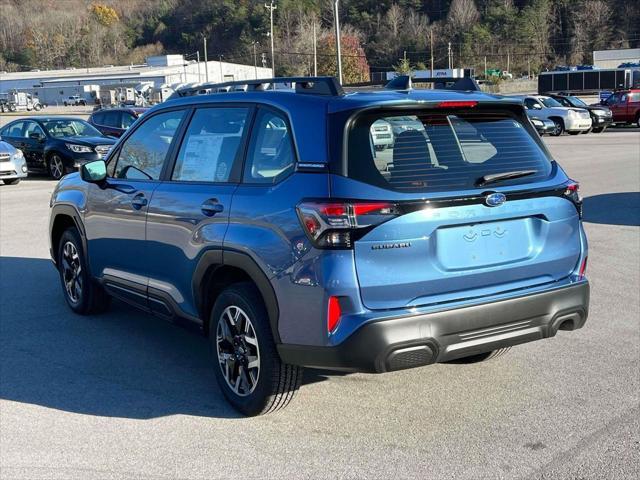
(550, 102)
(576, 102)
(70, 128)
(434, 151)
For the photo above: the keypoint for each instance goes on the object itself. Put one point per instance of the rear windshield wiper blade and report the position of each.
(498, 177)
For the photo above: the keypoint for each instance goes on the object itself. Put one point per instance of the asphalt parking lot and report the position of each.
(126, 395)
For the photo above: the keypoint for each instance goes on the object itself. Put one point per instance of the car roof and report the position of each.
(306, 110)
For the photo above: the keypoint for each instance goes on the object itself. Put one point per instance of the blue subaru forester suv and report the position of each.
(262, 213)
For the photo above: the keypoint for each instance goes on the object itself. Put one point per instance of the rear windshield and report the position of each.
(430, 152)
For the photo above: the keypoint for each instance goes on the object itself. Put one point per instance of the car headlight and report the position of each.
(573, 113)
(600, 113)
(79, 148)
(18, 155)
(537, 122)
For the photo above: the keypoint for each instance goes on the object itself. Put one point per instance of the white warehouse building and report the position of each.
(53, 86)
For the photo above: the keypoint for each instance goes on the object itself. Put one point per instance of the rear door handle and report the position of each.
(139, 201)
(211, 207)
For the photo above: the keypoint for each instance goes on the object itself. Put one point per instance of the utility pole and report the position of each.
(449, 54)
(220, 63)
(338, 51)
(431, 48)
(271, 7)
(529, 67)
(508, 60)
(485, 67)
(255, 59)
(206, 64)
(198, 59)
(315, 50)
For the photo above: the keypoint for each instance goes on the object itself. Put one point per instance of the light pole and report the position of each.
(315, 50)
(271, 7)
(206, 64)
(255, 59)
(338, 52)
(220, 62)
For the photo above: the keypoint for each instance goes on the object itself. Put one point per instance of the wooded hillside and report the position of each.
(533, 34)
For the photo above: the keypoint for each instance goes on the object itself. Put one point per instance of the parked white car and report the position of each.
(566, 119)
(13, 166)
(381, 135)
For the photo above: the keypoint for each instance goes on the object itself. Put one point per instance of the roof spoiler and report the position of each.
(405, 82)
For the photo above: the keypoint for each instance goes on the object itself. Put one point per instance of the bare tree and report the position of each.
(462, 14)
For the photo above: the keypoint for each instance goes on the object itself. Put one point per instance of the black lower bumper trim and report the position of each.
(412, 341)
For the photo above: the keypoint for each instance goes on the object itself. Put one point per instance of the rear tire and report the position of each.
(82, 293)
(599, 129)
(247, 366)
(481, 357)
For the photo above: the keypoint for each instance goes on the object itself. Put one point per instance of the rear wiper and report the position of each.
(498, 177)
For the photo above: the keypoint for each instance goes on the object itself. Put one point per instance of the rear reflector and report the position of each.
(458, 104)
(583, 268)
(333, 314)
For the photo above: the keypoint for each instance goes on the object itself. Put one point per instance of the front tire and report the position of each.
(55, 166)
(247, 366)
(83, 295)
(599, 129)
(559, 127)
(14, 181)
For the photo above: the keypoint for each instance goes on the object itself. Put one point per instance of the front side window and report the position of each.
(271, 156)
(143, 154)
(211, 145)
(435, 151)
(32, 127)
(531, 104)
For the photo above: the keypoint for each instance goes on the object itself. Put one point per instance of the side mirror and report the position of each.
(94, 172)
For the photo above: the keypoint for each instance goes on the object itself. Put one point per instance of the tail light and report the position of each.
(339, 224)
(572, 192)
(583, 268)
(458, 104)
(334, 311)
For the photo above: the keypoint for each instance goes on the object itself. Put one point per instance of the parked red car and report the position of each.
(625, 106)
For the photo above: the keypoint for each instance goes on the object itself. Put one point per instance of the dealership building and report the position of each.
(613, 58)
(161, 72)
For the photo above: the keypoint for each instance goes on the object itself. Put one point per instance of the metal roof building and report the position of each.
(161, 70)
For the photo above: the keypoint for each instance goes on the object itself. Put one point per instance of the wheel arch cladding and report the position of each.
(218, 269)
(64, 217)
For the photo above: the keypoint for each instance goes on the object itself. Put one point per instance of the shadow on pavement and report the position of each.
(613, 208)
(124, 363)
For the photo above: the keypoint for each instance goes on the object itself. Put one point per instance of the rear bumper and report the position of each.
(413, 341)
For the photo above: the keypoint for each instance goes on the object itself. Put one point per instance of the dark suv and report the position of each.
(115, 121)
(601, 116)
(267, 218)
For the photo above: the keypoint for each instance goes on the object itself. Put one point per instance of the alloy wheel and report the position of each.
(56, 168)
(71, 272)
(238, 351)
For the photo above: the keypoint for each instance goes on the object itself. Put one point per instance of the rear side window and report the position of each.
(439, 151)
(143, 153)
(111, 119)
(271, 155)
(98, 118)
(14, 130)
(211, 145)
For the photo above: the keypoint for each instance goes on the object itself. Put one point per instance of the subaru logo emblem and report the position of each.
(495, 199)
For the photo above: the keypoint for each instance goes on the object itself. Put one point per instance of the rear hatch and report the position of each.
(471, 205)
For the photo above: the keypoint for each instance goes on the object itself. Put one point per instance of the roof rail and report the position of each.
(405, 82)
(306, 85)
